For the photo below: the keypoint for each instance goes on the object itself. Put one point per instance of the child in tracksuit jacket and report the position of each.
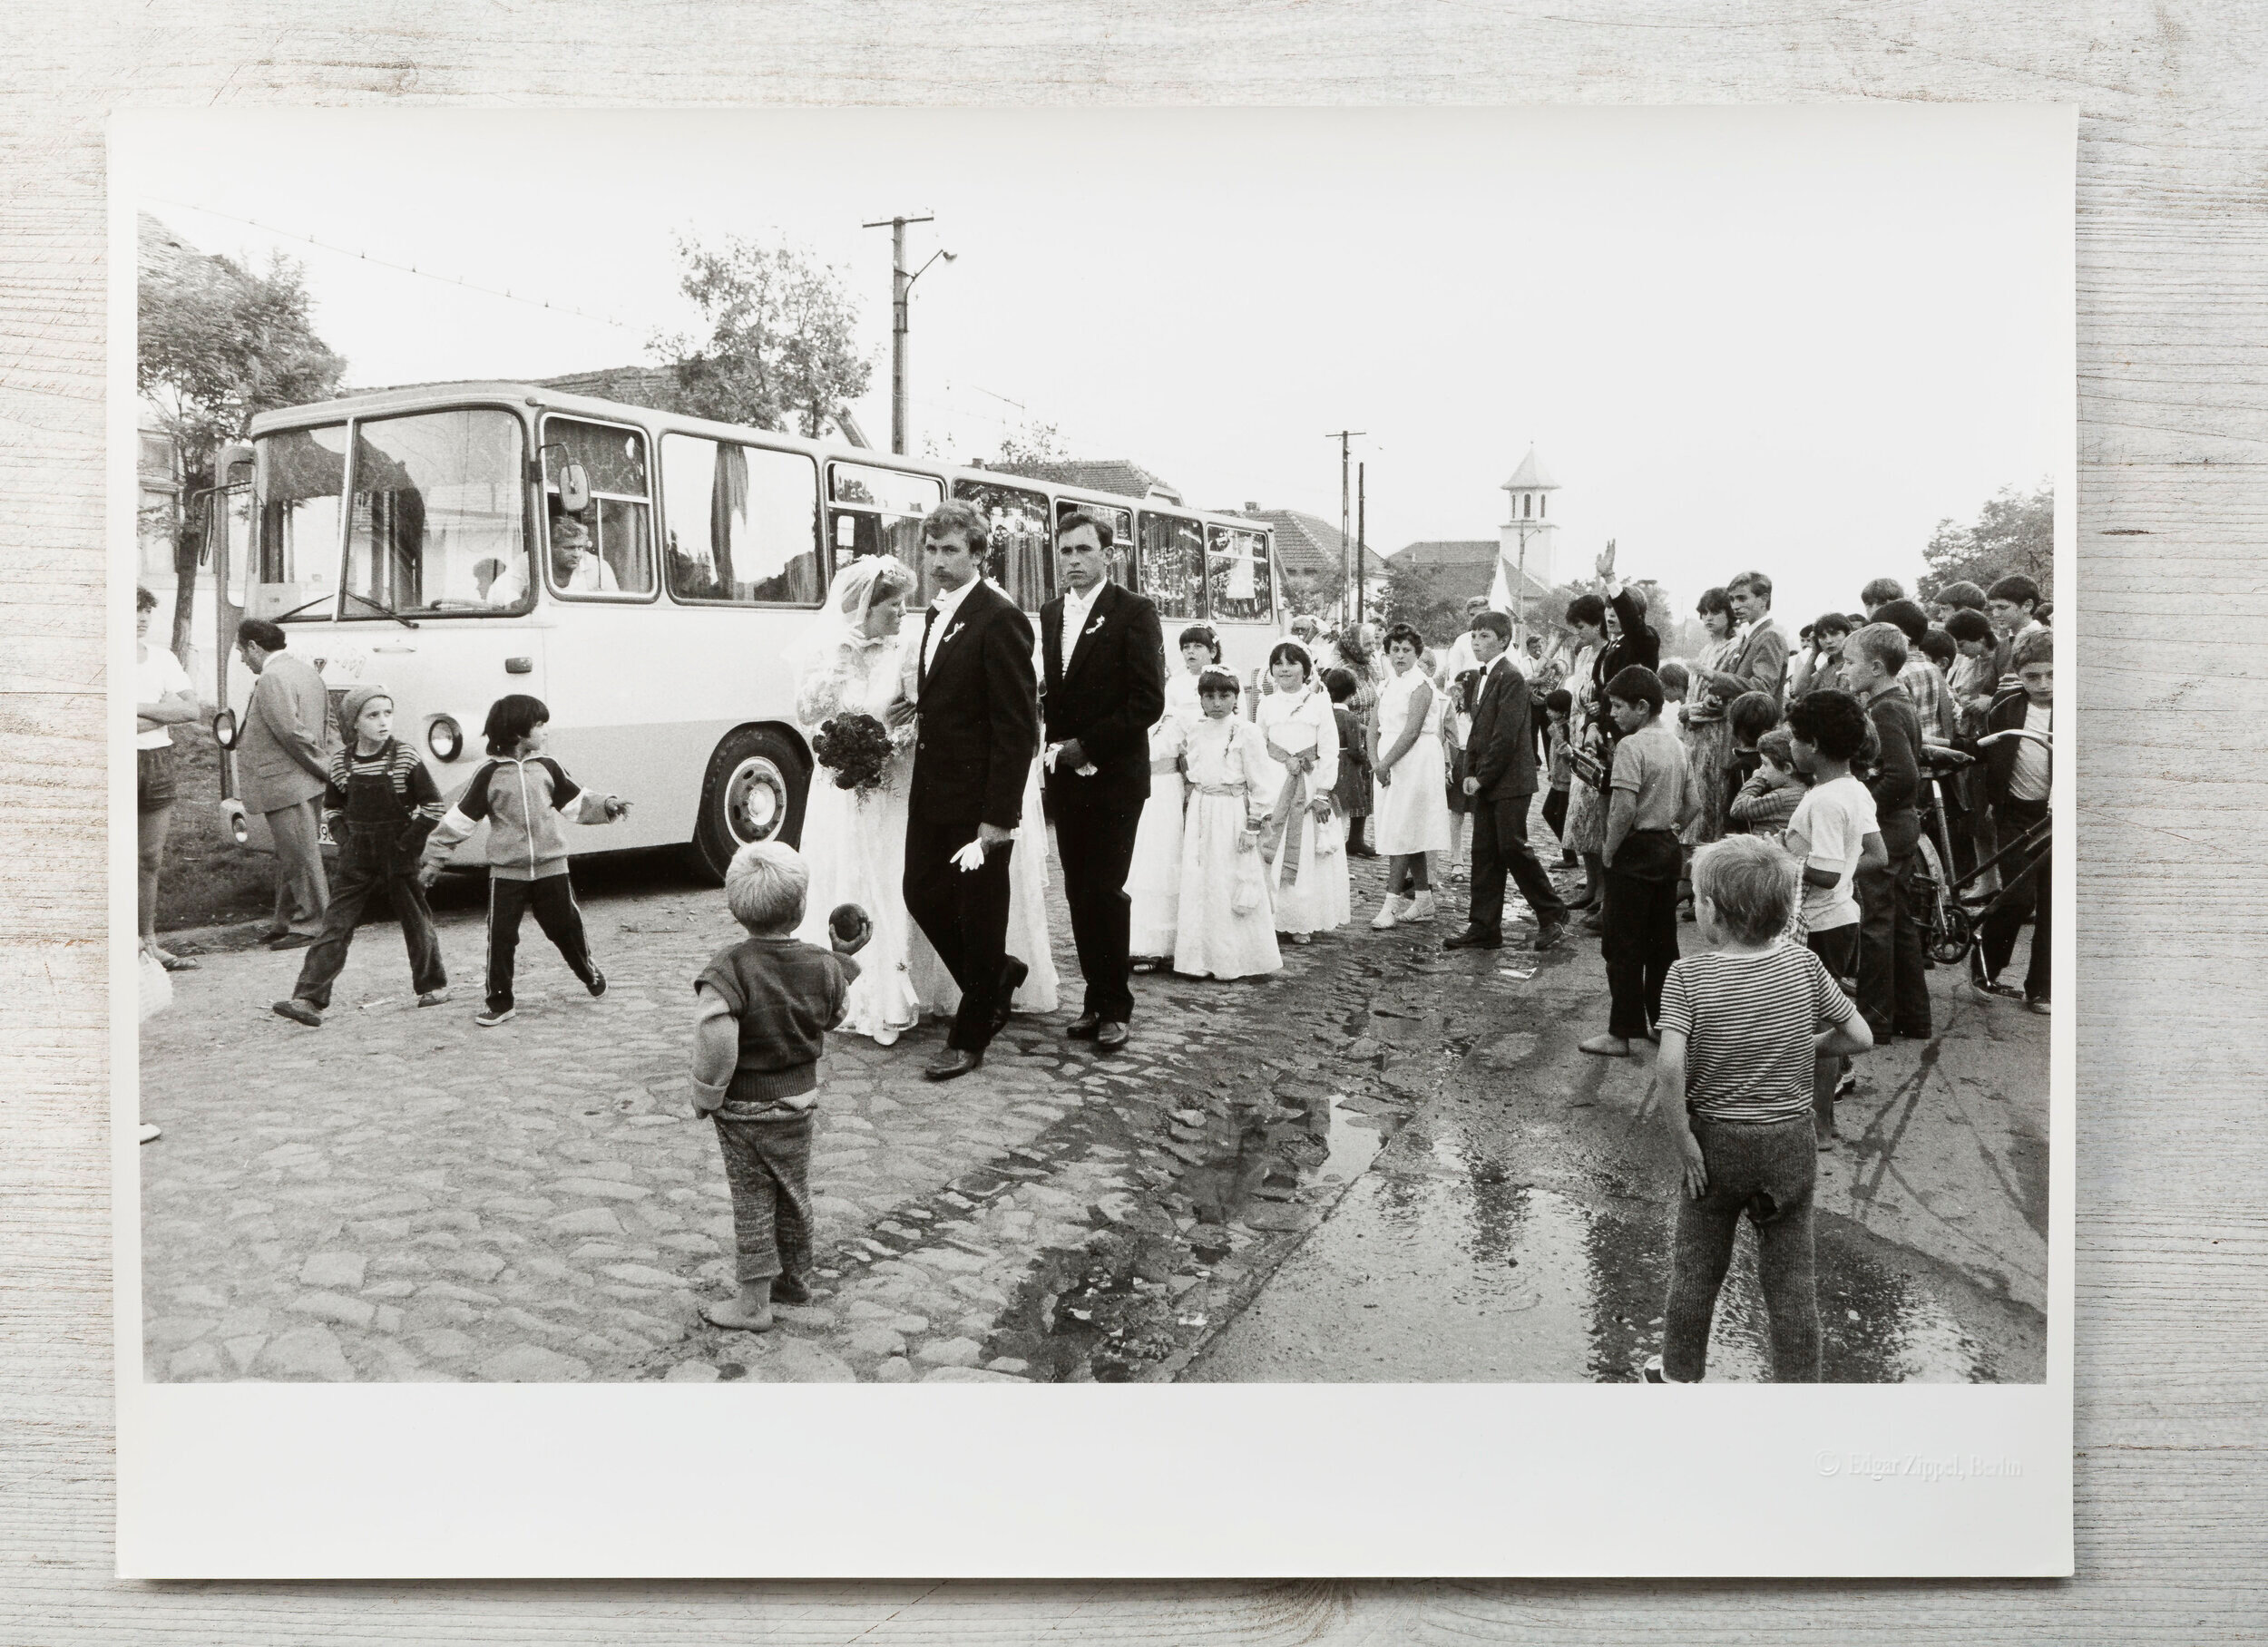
(523, 795)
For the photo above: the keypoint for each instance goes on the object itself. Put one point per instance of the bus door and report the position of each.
(435, 600)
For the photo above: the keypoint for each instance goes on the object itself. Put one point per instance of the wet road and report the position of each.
(1517, 1228)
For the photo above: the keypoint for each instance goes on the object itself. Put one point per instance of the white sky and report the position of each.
(1788, 338)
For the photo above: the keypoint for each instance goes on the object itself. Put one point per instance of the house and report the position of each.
(1463, 566)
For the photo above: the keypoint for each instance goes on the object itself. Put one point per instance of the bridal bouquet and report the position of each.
(855, 747)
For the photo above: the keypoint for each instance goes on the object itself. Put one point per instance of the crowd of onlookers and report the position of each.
(1776, 788)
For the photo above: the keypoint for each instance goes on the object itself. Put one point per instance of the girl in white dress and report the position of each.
(1302, 841)
(854, 841)
(1412, 779)
(1153, 883)
(1225, 928)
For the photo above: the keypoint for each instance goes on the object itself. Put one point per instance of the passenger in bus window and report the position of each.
(575, 568)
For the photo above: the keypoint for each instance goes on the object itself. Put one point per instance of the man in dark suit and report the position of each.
(972, 685)
(1104, 688)
(1500, 780)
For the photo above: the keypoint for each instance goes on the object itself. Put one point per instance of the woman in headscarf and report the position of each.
(854, 840)
(1301, 841)
(1358, 656)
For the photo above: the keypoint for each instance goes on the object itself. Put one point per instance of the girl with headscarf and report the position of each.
(854, 840)
(1301, 840)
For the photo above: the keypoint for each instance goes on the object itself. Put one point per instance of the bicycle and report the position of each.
(1950, 916)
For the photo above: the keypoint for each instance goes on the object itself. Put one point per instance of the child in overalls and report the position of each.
(382, 803)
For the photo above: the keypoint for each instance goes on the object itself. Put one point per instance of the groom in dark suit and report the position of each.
(972, 682)
(1104, 688)
(1499, 782)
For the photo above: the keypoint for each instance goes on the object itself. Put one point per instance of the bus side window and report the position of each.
(1237, 575)
(1020, 558)
(1169, 565)
(744, 524)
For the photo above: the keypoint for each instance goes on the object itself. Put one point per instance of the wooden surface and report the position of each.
(2173, 1218)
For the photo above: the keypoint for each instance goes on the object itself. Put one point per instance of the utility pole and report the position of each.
(1345, 546)
(1362, 541)
(901, 289)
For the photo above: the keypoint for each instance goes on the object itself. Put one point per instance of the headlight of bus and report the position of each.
(445, 738)
(224, 728)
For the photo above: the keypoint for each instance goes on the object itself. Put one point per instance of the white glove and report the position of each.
(970, 857)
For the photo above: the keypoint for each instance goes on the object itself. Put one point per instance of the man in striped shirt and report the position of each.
(1742, 1026)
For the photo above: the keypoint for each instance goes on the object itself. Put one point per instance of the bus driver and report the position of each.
(573, 567)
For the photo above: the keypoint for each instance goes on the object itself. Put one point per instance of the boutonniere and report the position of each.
(949, 633)
(1095, 627)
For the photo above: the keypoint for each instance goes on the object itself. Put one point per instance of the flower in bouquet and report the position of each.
(855, 747)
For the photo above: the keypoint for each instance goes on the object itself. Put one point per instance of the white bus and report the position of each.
(404, 537)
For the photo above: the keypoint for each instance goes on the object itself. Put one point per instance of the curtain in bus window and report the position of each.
(743, 523)
(1021, 556)
(614, 460)
(1236, 570)
(302, 474)
(1171, 565)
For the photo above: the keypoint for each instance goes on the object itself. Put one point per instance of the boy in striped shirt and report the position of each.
(1742, 1025)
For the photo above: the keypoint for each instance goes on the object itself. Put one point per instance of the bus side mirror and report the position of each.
(574, 489)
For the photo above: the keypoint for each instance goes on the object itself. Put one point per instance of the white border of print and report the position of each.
(256, 1480)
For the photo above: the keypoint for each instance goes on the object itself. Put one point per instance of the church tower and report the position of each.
(1527, 540)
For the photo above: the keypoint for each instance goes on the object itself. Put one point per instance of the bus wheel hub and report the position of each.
(756, 801)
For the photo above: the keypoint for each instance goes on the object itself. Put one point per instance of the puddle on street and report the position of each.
(1445, 1264)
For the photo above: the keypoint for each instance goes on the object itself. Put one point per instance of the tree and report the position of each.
(1414, 596)
(1032, 443)
(2014, 533)
(218, 341)
(780, 345)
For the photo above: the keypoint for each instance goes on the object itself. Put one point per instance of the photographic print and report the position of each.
(1222, 751)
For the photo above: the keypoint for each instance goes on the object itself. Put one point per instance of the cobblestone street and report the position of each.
(400, 1195)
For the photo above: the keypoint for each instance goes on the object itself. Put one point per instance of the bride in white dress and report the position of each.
(854, 841)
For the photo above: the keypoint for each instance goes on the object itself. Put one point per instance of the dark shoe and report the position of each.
(1596, 922)
(299, 1012)
(1083, 1027)
(293, 941)
(1550, 935)
(595, 983)
(1921, 1033)
(1012, 972)
(2038, 1003)
(273, 933)
(953, 1063)
(1110, 1037)
(1993, 989)
(787, 1290)
(488, 1018)
(1473, 938)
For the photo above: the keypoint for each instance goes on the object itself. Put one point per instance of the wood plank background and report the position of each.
(2173, 1216)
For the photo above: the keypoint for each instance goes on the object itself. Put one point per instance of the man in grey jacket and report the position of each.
(282, 764)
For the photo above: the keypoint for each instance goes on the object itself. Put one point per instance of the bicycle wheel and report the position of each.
(1944, 924)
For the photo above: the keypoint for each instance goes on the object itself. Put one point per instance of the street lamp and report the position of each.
(900, 288)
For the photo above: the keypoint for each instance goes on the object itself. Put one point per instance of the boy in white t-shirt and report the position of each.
(1833, 836)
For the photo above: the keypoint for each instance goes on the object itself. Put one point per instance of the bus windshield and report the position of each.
(437, 521)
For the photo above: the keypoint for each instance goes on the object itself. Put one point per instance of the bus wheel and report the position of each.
(754, 792)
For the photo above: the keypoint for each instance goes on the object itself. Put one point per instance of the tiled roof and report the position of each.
(655, 387)
(1462, 567)
(1121, 477)
(1305, 542)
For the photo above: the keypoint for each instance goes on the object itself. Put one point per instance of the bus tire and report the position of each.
(754, 792)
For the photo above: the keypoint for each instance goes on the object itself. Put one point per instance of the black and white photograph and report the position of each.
(1209, 750)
